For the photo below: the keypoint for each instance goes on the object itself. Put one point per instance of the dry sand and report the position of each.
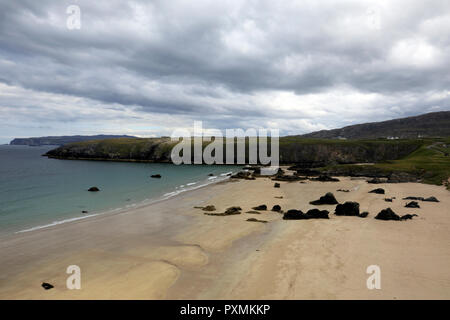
(169, 250)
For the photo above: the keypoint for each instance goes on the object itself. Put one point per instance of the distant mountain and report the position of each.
(435, 124)
(61, 140)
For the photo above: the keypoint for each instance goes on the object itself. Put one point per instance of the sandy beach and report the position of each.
(171, 250)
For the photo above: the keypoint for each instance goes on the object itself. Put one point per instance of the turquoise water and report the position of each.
(36, 191)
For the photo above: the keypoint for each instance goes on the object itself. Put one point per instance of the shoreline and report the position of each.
(169, 250)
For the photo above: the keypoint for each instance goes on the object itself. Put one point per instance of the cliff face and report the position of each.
(292, 150)
(61, 140)
(435, 124)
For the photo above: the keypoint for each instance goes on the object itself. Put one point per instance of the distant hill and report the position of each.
(61, 140)
(435, 124)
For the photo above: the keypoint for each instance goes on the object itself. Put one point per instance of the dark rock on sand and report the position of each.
(412, 204)
(377, 191)
(253, 212)
(158, 176)
(387, 214)
(375, 181)
(348, 208)
(328, 198)
(363, 214)
(47, 286)
(414, 198)
(311, 214)
(317, 214)
(230, 211)
(293, 214)
(276, 208)
(408, 216)
(93, 189)
(260, 207)
(276, 185)
(343, 190)
(325, 178)
(256, 220)
(209, 208)
(431, 199)
(278, 197)
(388, 199)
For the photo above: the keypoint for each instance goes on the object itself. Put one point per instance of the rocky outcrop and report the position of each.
(408, 216)
(276, 185)
(229, 212)
(209, 208)
(47, 286)
(328, 198)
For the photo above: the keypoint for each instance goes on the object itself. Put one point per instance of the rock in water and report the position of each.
(408, 216)
(276, 208)
(276, 185)
(260, 207)
(158, 176)
(93, 189)
(47, 286)
(328, 198)
(431, 199)
(412, 204)
(209, 208)
(349, 208)
(387, 214)
(377, 191)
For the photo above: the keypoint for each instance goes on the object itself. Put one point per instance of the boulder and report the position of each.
(276, 208)
(317, 214)
(211, 175)
(276, 185)
(388, 199)
(387, 214)
(412, 204)
(348, 208)
(328, 198)
(93, 189)
(260, 207)
(209, 208)
(157, 176)
(47, 286)
(431, 199)
(377, 191)
(246, 175)
(293, 214)
(84, 211)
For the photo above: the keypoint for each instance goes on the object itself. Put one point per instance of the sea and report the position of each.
(37, 192)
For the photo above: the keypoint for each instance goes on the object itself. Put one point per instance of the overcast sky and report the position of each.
(147, 67)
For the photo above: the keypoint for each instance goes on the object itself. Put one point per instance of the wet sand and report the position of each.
(169, 250)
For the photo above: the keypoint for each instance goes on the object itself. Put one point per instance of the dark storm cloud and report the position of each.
(234, 62)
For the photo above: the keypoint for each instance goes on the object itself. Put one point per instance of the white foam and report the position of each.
(55, 223)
